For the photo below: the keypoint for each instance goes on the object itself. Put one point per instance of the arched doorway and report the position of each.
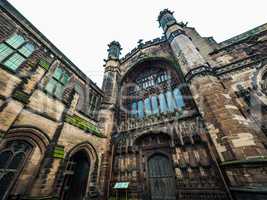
(161, 178)
(76, 177)
(12, 159)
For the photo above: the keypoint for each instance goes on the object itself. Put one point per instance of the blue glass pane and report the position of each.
(163, 103)
(148, 106)
(155, 106)
(134, 109)
(178, 98)
(140, 109)
(170, 101)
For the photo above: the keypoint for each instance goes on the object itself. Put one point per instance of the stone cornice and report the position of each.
(174, 34)
(201, 70)
(143, 46)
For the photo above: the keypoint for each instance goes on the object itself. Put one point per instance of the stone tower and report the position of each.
(236, 143)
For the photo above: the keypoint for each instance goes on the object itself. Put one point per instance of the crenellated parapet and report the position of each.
(142, 46)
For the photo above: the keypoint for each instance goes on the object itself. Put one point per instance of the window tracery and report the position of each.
(151, 89)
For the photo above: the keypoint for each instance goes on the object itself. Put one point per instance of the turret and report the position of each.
(233, 138)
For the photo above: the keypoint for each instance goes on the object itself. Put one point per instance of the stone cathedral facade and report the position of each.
(179, 117)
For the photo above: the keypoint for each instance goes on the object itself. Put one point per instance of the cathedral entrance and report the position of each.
(76, 177)
(161, 178)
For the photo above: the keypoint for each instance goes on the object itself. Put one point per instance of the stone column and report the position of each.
(235, 142)
(106, 115)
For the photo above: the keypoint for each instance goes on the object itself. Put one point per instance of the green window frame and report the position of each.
(57, 83)
(14, 51)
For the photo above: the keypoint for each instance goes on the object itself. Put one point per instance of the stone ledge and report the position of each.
(249, 189)
(248, 161)
(84, 125)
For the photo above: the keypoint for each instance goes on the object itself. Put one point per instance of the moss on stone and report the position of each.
(84, 125)
(21, 96)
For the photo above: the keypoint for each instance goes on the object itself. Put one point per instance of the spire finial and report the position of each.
(114, 50)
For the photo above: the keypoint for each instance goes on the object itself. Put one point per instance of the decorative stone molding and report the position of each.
(175, 34)
(201, 70)
(84, 125)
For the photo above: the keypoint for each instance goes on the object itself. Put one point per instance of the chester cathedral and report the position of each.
(180, 117)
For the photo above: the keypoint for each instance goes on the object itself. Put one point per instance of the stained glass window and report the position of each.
(155, 107)
(134, 109)
(178, 98)
(170, 101)
(140, 109)
(12, 157)
(148, 106)
(163, 103)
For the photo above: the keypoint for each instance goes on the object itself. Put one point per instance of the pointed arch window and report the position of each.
(12, 157)
(14, 51)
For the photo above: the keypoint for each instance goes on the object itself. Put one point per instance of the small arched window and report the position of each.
(12, 158)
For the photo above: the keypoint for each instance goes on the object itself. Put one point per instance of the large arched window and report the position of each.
(150, 89)
(12, 159)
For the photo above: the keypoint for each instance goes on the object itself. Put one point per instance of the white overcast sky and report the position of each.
(81, 29)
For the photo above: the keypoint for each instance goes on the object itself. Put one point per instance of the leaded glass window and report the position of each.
(12, 157)
(178, 98)
(140, 109)
(163, 103)
(170, 101)
(155, 107)
(14, 51)
(148, 106)
(149, 89)
(134, 109)
(57, 83)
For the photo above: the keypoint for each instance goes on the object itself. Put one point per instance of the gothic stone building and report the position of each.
(179, 117)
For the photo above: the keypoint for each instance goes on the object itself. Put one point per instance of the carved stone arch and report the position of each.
(38, 137)
(257, 81)
(92, 157)
(28, 170)
(151, 132)
(132, 67)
